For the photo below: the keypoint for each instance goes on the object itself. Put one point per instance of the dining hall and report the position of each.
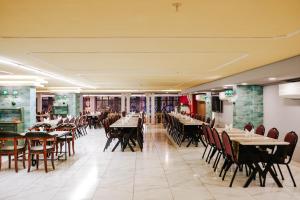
(149, 100)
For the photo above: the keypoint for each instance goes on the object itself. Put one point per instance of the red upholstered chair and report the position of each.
(248, 127)
(244, 157)
(212, 123)
(260, 130)
(273, 133)
(219, 147)
(285, 159)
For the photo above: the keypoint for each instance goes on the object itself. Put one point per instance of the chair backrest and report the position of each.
(66, 127)
(273, 133)
(217, 139)
(72, 120)
(212, 123)
(208, 120)
(227, 146)
(66, 120)
(37, 127)
(260, 130)
(248, 127)
(210, 135)
(292, 138)
(123, 113)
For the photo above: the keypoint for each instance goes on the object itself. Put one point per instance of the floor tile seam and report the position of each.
(164, 171)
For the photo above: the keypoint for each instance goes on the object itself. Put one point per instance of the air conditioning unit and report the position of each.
(290, 90)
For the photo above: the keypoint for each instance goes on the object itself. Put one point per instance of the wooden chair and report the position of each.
(70, 138)
(40, 143)
(15, 149)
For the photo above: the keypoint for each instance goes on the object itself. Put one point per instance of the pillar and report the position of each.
(25, 98)
(128, 102)
(123, 102)
(39, 102)
(152, 109)
(148, 107)
(248, 106)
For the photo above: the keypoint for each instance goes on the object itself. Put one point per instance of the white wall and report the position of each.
(284, 114)
(226, 117)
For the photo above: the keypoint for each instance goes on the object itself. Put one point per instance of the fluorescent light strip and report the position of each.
(21, 83)
(36, 70)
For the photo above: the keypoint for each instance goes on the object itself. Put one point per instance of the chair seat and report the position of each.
(41, 148)
(68, 137)
(11, 148)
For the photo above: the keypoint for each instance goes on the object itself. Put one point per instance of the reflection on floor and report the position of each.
(161, 171)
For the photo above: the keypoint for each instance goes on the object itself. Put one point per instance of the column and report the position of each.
(147, 107)
(208, 107)
(72, 100)
(128, 102)
(123, 102)
(39, 102)
(24, 97)
(152, 109)
(248, 106)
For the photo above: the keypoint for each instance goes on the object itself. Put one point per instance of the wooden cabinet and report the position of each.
(12, 119)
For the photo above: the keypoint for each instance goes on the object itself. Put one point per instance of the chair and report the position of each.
(260, 130)
(14, 149)
(70, 138)
(208, 120)
(211, 143)
(40, 143)
(273, 133)
(285, 159)
(244, 157)
(44, 126)
(248, 127)
(111, 135)
(212, 123)
(219, 147)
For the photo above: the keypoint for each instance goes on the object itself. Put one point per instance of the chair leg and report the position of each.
(69, 148)
(116, 145)
(52, 160)
(16, 161)
(223, 167)
(24, 159)
(226, 169)
(204, 151)
(280, 172)
(29, 161)
(45, 162)
(212, 155)
(37, 161)
(73, 146)
(216, 159)
(291, 175)
(9, 161)
(233, 177)
(208, 153)
(107, 144)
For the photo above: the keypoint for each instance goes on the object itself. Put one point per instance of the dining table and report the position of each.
(247, 140)
(128, 125)
(191, 125)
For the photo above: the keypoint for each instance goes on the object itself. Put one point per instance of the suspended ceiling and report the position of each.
(146, 45)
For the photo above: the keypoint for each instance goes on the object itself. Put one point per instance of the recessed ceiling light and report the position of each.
(272, 79)
(244, 84)
(227, 86)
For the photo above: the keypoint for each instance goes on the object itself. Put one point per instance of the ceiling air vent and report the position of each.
(290, 90)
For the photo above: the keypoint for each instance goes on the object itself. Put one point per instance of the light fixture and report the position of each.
(272, 79)
(244, 83)
(227, 86)
(42, 72)
(21, 83)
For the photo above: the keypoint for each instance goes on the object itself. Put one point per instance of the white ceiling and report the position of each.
(146, 45)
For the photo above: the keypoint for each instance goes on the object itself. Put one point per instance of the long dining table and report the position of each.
(189, 124)
(244, 139)
(128, 125)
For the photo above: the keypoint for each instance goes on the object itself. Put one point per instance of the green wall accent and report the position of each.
(248, 106)
(25, 98)
(208, 108)
(70, 99)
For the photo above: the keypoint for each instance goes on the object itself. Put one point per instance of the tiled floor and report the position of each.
(162, 171)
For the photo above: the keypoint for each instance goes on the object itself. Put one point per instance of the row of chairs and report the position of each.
(222, 147)
(124, 137)
(180, 133)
